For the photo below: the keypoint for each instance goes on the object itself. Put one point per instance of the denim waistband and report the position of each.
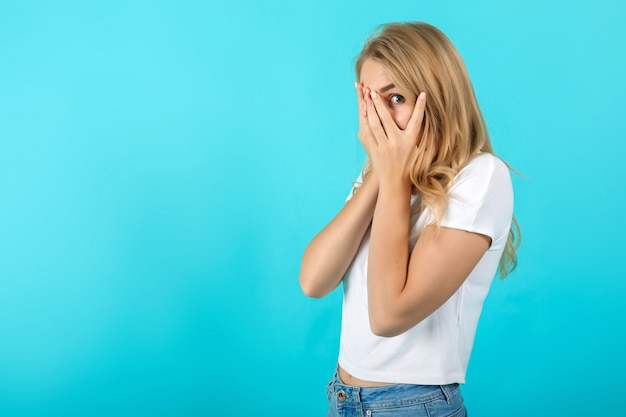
(388, 395)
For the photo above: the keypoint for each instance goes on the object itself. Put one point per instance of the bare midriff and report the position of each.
(348, 379)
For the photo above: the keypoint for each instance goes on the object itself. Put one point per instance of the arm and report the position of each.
(330, 253)
(440, 262)
(404, 288)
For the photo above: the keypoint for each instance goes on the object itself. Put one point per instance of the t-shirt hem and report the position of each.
(394, 377)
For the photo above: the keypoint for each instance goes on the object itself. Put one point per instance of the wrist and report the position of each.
(401, 185)
(371, 179)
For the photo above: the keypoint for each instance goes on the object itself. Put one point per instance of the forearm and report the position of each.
(330, 253)
(389, 253)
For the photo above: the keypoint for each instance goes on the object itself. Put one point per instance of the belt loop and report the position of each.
(447, 392)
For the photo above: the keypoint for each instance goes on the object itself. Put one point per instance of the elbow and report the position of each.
(384, 326)
(309, 288)
(312, 292)
(382, 331)
(388, 324)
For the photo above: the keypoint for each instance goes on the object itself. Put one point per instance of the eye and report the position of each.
(396, 99)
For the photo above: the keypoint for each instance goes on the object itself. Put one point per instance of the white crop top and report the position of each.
(436, 351)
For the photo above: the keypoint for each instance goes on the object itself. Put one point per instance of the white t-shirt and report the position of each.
(436, 351)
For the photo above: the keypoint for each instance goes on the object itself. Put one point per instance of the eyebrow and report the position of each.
(387, 88)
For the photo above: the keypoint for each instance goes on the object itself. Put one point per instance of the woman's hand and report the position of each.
(364, 130)
(391, 150)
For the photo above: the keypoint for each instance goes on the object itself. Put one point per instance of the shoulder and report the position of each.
(482, 174)
(485, 164)
(480, 198)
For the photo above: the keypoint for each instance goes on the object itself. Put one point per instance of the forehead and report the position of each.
(374, 75)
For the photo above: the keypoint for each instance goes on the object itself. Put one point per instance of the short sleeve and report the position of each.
(481, 199)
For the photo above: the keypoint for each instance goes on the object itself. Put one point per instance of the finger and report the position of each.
(367, 130)
(365, 133)
(381, 109)
(368, 137)
(359, 99)
(374, 122)
(415, 122)
(364, 95)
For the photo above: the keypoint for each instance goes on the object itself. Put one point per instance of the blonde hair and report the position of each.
(419, 57)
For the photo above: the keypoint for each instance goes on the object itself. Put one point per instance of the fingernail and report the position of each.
(374, 95)
(422, 96)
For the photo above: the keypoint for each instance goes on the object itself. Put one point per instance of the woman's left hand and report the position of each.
(391, 149)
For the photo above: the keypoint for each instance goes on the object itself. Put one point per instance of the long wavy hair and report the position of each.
(419, 57)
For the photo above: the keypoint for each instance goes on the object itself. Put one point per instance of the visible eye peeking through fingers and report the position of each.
(397, 99)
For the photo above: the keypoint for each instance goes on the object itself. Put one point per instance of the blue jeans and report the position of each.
(396, 400)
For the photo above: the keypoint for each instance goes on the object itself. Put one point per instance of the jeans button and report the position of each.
(341, 396)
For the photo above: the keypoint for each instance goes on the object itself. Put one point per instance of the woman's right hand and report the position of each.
(364, 128)
(329, 254)
(365, 131)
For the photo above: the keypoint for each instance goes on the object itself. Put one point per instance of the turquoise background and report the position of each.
(163, 165)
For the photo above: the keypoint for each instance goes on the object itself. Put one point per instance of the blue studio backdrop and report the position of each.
(163, 165)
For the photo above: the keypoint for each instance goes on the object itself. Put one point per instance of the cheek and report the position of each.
(402, 116)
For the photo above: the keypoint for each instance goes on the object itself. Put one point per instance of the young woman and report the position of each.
(422, 233)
